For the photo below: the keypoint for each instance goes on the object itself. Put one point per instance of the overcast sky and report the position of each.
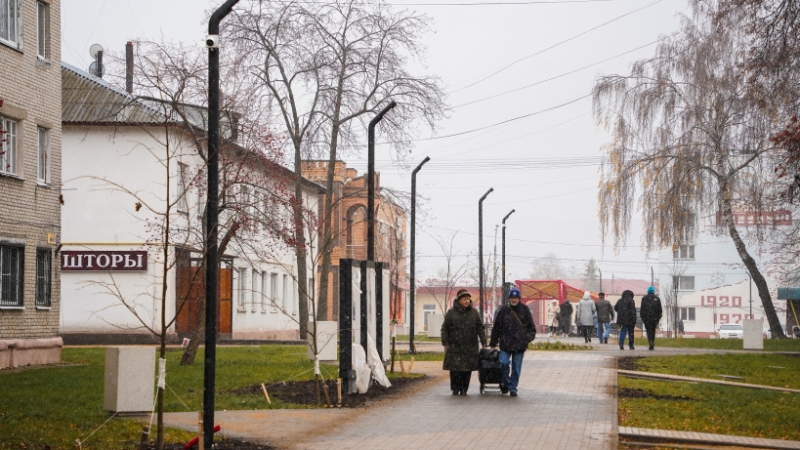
(534, 62)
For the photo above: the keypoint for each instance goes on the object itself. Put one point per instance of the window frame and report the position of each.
(688, 314)
(273, 291)
(241, 284)
(43, 172)
(14, 41)
(9, 299)
(9, 148)
(683, 252)
(255, 278)
(44, 277)
(678, 282)
(43, 30)
(182, 203)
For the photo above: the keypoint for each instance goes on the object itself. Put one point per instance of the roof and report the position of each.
(443, 290)
(89, 100)
(615, 286)
(549, 289)
(86, 99)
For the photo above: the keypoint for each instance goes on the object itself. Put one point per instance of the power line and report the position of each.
(555, 45)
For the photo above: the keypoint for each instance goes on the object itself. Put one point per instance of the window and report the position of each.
(42, 30)
(43, 155)
(242, 287)
(11, 22)
(683, 283)
(683, 252)
(427, 310)
(273, 291)
(44, 278)
(11, 273)
(687, 314)
(182, 204)
(8, 145)
(264, 276)
(285, 296)
(255, 281)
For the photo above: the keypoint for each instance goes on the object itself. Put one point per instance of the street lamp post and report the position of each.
(413, 252)
(601, 279)
(480, 250)
(212, 222)
(371, 181)
(503, 268)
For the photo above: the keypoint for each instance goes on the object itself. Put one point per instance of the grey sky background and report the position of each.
(498, 61)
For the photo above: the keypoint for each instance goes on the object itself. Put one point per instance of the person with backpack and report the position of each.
(626, 318)
(651, 314)
(461, 331)
(514, 329)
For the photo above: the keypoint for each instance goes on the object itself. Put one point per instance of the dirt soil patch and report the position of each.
(304, 392)
(628, 362)
(222, 444)
(641, 393)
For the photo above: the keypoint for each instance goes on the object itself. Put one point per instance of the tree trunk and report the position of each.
(749, 262)
(300, 247)
(327, 225)
(197, 336)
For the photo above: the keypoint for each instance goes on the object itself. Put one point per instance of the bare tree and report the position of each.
(687, 131)
(448, 277)
(353, 56)
(549, 267)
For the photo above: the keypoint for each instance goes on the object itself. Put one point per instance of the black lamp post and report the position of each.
(480, 250)
(413, 252)
(504, 255)
(212, 221)
(371, 181)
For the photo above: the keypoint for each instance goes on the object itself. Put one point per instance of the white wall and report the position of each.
(98, 215)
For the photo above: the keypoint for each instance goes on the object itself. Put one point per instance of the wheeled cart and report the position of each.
(489, 371)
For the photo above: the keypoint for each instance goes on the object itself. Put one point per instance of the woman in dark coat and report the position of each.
(566, 317)
(626, 318)
(461, 331)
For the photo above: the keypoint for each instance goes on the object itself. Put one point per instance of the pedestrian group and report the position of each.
(463, 331)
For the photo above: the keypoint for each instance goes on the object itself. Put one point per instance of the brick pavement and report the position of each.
(566, 400)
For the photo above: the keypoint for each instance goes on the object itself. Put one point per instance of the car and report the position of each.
(731, 331)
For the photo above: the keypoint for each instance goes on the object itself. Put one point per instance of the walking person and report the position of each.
(626, 318)
(651, 314)
(584, 317)
(605, 314)
(565, 318)
(461, 331)
(514, 329)
(553, 312)
(680, 327)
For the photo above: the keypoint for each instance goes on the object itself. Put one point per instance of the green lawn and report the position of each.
(417, 338)
(712, 408)
(53, 406)
(772, 345)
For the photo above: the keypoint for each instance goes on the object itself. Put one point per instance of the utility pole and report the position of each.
(494, 273)
(480, 250)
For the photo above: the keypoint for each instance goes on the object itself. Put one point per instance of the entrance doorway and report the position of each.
(191, 292)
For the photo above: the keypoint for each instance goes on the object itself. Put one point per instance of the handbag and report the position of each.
(530, 335)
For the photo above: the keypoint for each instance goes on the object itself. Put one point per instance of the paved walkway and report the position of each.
(567, 400)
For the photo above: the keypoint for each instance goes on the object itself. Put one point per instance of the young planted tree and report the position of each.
(449, 277)
(690, 134)
(353, 56)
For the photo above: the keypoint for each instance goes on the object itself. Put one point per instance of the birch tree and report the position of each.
(687, 135)
(329, 69)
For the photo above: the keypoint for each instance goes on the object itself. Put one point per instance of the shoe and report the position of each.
(513, 394)
(590, 341)
(464, 392)
(455, 392)
(622, 347)
(605, 341)
(503, 389)
(632, 348)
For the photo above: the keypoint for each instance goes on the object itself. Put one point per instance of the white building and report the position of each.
(124, 165)
(710, 281)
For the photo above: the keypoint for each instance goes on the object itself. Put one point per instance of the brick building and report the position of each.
(30, 175)
(349, 232)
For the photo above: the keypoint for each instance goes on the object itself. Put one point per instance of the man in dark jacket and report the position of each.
(651, 314)
(626, 318)
(566, 317)
(514, 329)
(461, 331)
(605, 313)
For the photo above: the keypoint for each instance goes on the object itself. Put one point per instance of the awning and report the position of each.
(549, 289)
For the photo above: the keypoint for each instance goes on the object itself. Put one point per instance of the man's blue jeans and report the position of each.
(623, 330)
(511, 366)
(603, 335)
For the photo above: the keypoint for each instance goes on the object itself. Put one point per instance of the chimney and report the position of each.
(129, 67)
